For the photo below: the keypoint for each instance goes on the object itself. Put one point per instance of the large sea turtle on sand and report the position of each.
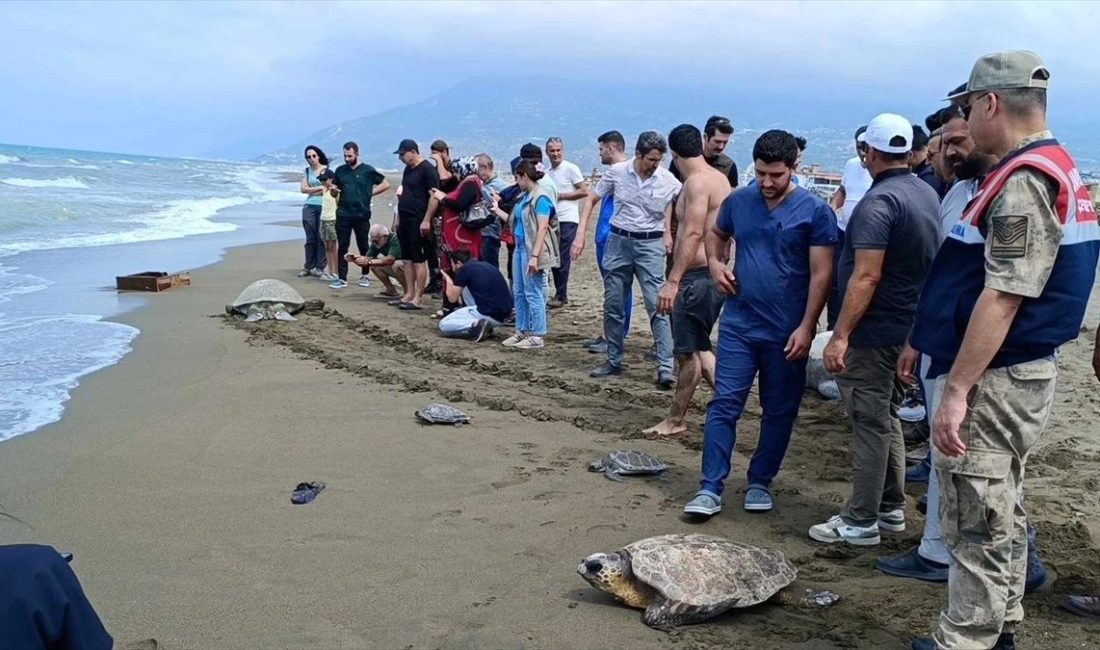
(267, 299)
(689, 578)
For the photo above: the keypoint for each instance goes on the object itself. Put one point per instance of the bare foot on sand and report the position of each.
(667, 428)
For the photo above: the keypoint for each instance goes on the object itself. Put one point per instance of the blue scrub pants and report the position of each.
(781, 385)
(628, 305)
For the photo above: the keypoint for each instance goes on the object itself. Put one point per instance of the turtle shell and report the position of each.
(631, 461)
(269, 291)
(442, 414)
(709, 572)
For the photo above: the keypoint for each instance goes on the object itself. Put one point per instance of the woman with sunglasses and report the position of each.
(312, 187)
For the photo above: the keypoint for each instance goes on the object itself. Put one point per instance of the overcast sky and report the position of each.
(200, 78)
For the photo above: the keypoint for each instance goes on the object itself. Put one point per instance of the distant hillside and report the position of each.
(485, 114)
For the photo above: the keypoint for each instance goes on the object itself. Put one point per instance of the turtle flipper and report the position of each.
(613, 474)
(665, 614)
(254, 314)
(284, 315)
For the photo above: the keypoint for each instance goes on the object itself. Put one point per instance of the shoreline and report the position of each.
(170, 473)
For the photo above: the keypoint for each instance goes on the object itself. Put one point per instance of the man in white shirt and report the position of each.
(853, 185)
(569, 181)
(640, 238)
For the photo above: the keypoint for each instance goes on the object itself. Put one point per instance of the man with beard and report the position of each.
(1009, 286)
(358, 183)
(783, 237)
(689, 294)
(717, 133)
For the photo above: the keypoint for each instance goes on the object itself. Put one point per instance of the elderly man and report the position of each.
(383, 258)
(1009, 286)
(888, 247)
(640, 238)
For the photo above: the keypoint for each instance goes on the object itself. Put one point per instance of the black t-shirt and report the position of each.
(490, 289)
(356, 190)
(722, 163)
(416, 185)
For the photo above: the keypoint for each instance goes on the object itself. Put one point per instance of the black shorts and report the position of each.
(414, 246)
(698, 304)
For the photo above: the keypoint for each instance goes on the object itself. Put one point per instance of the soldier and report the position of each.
(1017, 270)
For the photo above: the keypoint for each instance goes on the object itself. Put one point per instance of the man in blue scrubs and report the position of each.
(783, 237)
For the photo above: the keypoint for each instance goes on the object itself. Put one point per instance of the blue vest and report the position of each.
(957, 276)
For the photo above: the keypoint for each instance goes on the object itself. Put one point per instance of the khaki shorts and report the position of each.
(328, 231)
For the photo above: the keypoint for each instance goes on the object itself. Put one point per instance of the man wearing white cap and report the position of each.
(1009, 286)
(891, 238)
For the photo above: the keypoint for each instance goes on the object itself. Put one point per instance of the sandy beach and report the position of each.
(169, 479)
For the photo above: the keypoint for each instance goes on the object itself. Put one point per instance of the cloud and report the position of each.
(191, 78)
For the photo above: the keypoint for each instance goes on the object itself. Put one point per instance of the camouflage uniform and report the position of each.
(981, 516)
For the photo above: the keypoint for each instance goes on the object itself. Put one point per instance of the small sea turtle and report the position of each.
(627, 461)
(267, 299)
(442, 414)
(684, 579)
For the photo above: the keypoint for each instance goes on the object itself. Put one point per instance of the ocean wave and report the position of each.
(124, 162)
(17, 284)
(35, 381)
(173, 221)
(68, 183)
(8, 160)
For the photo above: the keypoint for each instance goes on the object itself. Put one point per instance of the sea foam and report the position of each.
(68, 183)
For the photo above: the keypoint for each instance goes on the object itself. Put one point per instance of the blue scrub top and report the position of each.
(772, 260)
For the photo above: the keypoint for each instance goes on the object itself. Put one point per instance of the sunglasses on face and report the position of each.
(310, 156)
(969, 106)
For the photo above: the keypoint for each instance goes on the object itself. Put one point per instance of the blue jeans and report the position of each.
(624, 260)
(781, 386)
(528, 293)
(628, 300)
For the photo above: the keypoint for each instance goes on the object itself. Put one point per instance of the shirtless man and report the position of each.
(689, 294)
(783, 239)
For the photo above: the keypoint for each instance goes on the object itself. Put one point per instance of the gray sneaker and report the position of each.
(758, 499)
(892, 521)
(304, 273)
(704, 504)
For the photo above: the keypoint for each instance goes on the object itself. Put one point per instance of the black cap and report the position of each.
(406, 146)
(530, 151)
(325, 175)
(440, 145)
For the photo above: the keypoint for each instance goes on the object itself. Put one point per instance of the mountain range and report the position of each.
(497, 115)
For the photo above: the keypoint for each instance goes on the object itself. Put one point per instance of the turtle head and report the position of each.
(611, 572)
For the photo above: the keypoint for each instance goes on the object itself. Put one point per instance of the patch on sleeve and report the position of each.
(1009, 237)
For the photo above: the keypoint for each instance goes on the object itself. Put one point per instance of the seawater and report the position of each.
(72, 220)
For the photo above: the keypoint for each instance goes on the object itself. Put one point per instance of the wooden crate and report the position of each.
(151, 281)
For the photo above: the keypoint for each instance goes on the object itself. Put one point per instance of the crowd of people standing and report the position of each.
(956, 257)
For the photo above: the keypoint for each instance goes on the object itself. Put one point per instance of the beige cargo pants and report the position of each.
(981, 516)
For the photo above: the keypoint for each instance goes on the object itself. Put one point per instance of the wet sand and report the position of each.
(169, 478)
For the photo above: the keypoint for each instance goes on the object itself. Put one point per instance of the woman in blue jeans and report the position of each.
(311, 213)
(535, 228)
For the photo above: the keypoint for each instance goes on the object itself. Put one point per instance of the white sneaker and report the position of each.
(892, 521)
(364, 282)
(514, 340)
(327, 277)
(835, 530)
(529, 343)
(316, 273)
(337, 284)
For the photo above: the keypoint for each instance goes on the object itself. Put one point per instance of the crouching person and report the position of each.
(483, 291)
(383, 258)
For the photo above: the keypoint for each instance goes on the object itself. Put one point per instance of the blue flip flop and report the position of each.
(306, 492)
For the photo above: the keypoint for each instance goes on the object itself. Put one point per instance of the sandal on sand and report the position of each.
(396, 302)
(306, 492)
(408, 306)
(388, 294)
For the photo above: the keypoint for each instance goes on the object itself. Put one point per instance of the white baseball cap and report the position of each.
(890, 133)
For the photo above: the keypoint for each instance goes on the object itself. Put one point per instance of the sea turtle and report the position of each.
(627, 461)
(816, 374)
(267, 299)
(442, 414)
(683, 579)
